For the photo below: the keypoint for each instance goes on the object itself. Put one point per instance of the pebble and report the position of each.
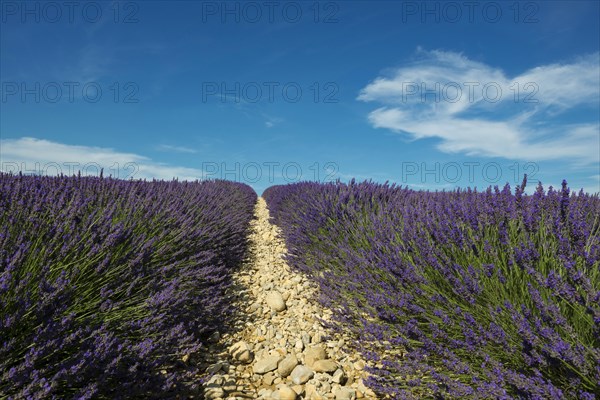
(275, 301)
(359, 365)
(287, 365)
(241, 352)
(345, 393)
(266, 365)
(314, 354)
(339, 376)
(299, 346)
(214, 368)
(214, 392)
(325, 366)
(268, 378)
(301, 374)
(287, 393)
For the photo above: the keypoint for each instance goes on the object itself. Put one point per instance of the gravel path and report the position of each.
(280, 350)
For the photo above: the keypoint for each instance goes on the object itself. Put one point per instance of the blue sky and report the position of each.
(431, 94)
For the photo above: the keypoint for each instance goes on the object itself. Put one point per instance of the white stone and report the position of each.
(324, 366)
(339, 376)
(213, 392)
(287, 365)
(359, 365)
(301, 374)
(313, 354)
(286, 393)
(266, 365)
(345, 393)
(214, 368)
(275, 301)
(241, 352)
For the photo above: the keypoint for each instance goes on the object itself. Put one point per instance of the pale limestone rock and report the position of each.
(287, 365)
(313, 354)
(325, 366)
(266, 365)
(301, 374)
(275, 301)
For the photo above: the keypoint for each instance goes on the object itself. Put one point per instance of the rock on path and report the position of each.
(279, 351)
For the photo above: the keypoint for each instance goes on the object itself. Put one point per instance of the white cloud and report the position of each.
(566, 85)
(271, 121)
(47, 157)
(469, 120)
(176, 149)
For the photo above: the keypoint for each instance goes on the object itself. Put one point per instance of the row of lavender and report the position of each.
(461, 294)
(105, 284)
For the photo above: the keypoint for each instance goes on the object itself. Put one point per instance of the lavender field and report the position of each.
(461, 294)
(110, 289)
(105, 285)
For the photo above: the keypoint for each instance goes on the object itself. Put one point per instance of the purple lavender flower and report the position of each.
(490, 295)
(92, 268)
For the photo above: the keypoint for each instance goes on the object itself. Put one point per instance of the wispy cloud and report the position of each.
(47, 157)
(271, 121)
(91, 63)
(176, 149)
(516, 117)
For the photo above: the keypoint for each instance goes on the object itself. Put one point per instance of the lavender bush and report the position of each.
(461, 294)
(106, 284)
